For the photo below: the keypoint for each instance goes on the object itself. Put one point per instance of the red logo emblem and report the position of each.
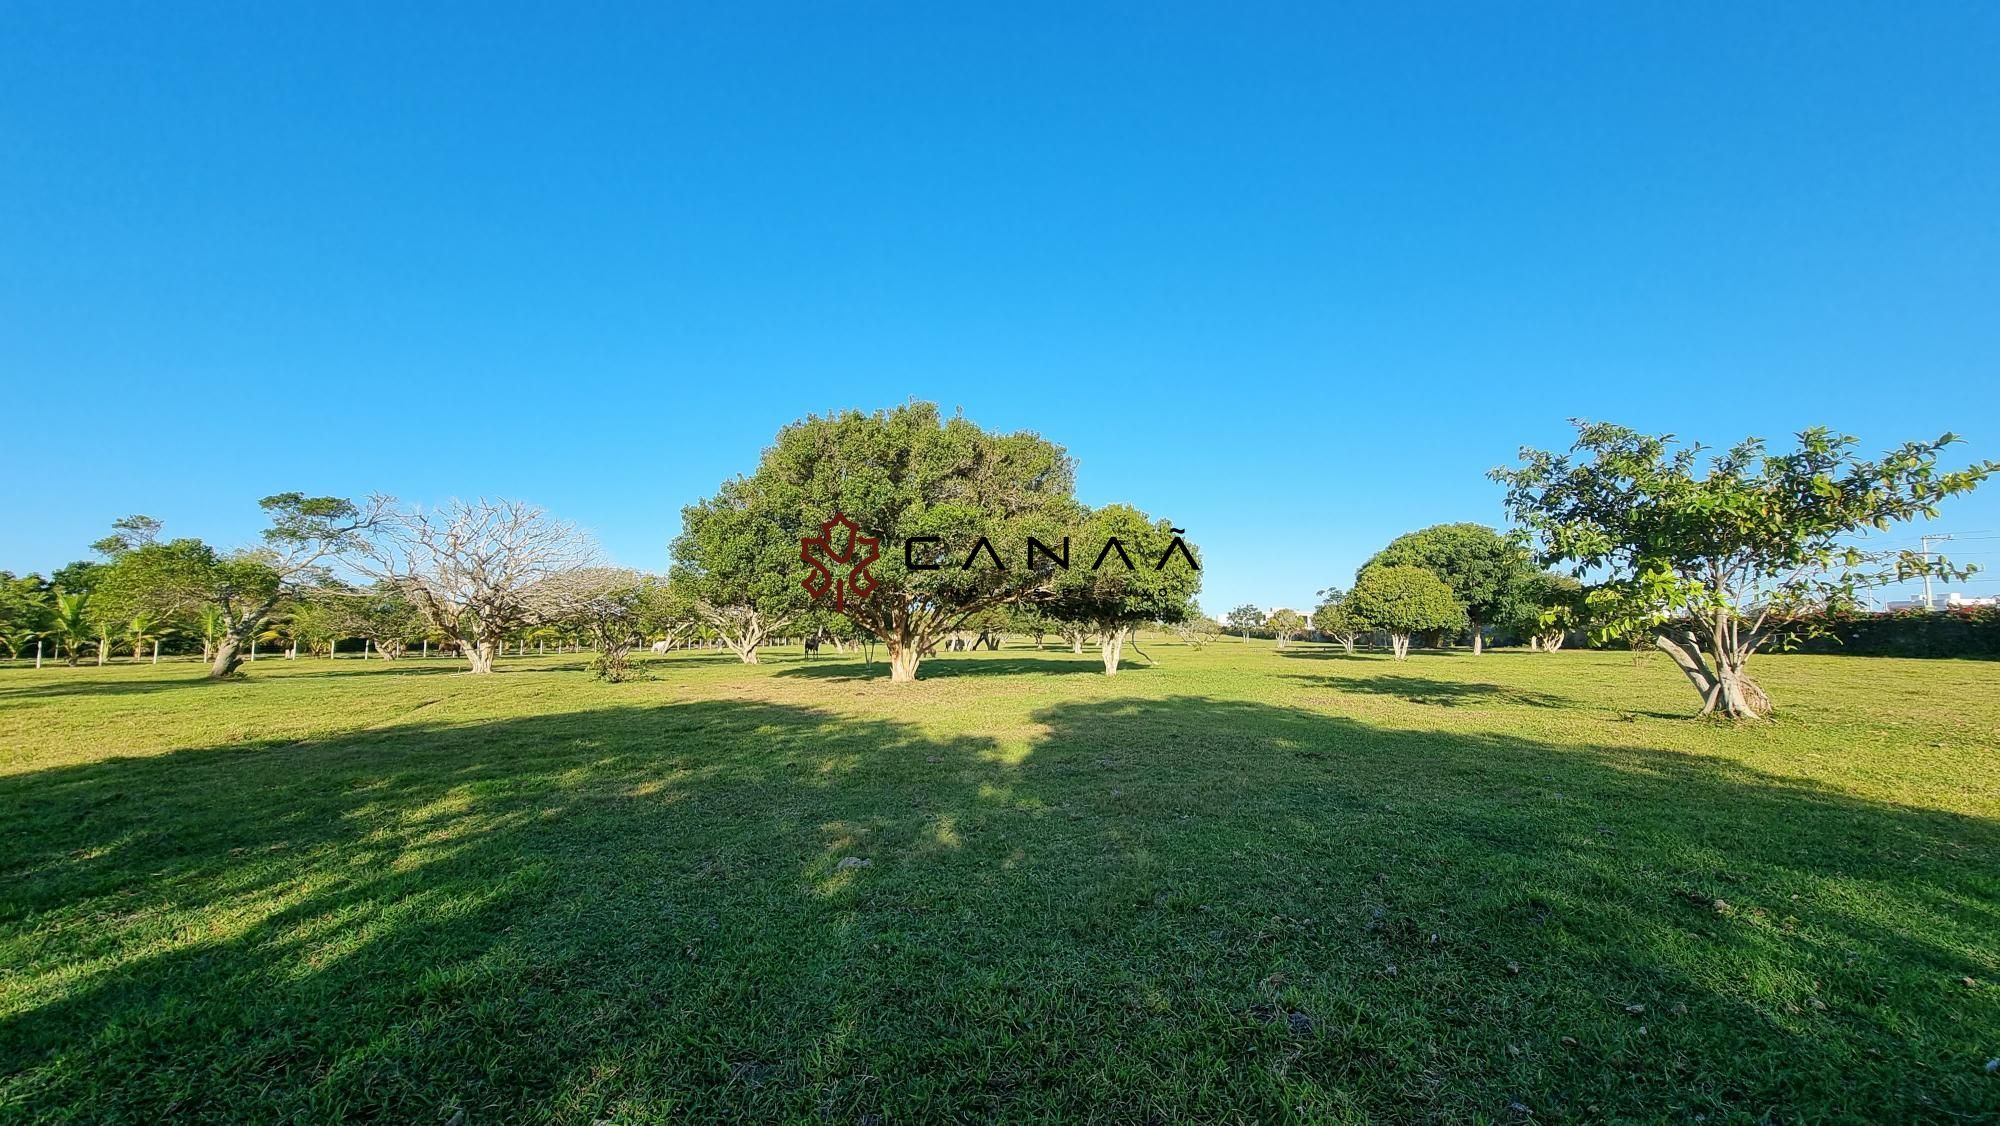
(856, 549)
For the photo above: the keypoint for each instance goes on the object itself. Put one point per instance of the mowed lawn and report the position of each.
(1233, 884)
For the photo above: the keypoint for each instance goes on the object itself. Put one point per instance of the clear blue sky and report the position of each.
(1293, 277)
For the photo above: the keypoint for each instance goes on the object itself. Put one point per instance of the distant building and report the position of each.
(1952, 601)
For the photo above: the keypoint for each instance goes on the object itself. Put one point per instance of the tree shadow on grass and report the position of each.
(1308, 651)
(1440, 693)
(149, 679)
(73, 686)
(1182, 907)
(948, 665)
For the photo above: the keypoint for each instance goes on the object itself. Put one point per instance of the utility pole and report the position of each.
(1929, 604)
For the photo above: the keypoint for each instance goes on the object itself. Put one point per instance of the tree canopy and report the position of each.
(1403, 600)
(1488, 573)
(244, 587)
(1717, 554)
(1136, 579)
(1246, 618)
(468, 567)
(1285, 624)
(736, 564)
(1336, 619)
(960, 502)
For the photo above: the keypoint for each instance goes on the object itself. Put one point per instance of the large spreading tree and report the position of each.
(468, 567)
(1717, 555)
(1489, 574)
(952, 506)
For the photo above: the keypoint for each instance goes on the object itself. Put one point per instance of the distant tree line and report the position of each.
(1709, 557)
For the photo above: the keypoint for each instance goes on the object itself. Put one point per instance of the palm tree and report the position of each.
(144, 627)
(16, 641)
(70, 625)
(211, 624)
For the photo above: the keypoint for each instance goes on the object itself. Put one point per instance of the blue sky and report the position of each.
(1293, 277)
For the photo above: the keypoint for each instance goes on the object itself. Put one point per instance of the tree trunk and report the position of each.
(479, 654)
(1113, 645)
(227, 659)
(1076, 644)
(1725, 688)
(903, 658)
(1742, 697)
(1478, 638)
(1399, 643)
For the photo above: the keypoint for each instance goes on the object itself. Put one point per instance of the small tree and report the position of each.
(1074, 634)
(607, 603)
(1715, 556)
(736, 564)
(1336, 619)
(1286, 624)
(317, 618)
(1195, 629)
(208, 626)
(1550, 609)
(24, 611)
(1401, 601)
(70, 624)
(666, 614)
(1141, 582)
(145, 628)
(383, 616)
(1246, 618)
(1030, 621)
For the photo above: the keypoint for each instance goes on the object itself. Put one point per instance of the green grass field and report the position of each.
(1235, 884)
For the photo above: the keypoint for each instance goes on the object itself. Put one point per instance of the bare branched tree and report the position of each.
(470, 567)
(608, 603)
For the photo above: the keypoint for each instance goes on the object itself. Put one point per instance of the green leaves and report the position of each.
(1403, 599)
(1741, 547)
(1099, 589)
(1490, 574)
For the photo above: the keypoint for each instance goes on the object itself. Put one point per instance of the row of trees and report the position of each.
(468, 574)
(1708, 556)
(1447, 579)
(1442, 581)
(984, 534)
